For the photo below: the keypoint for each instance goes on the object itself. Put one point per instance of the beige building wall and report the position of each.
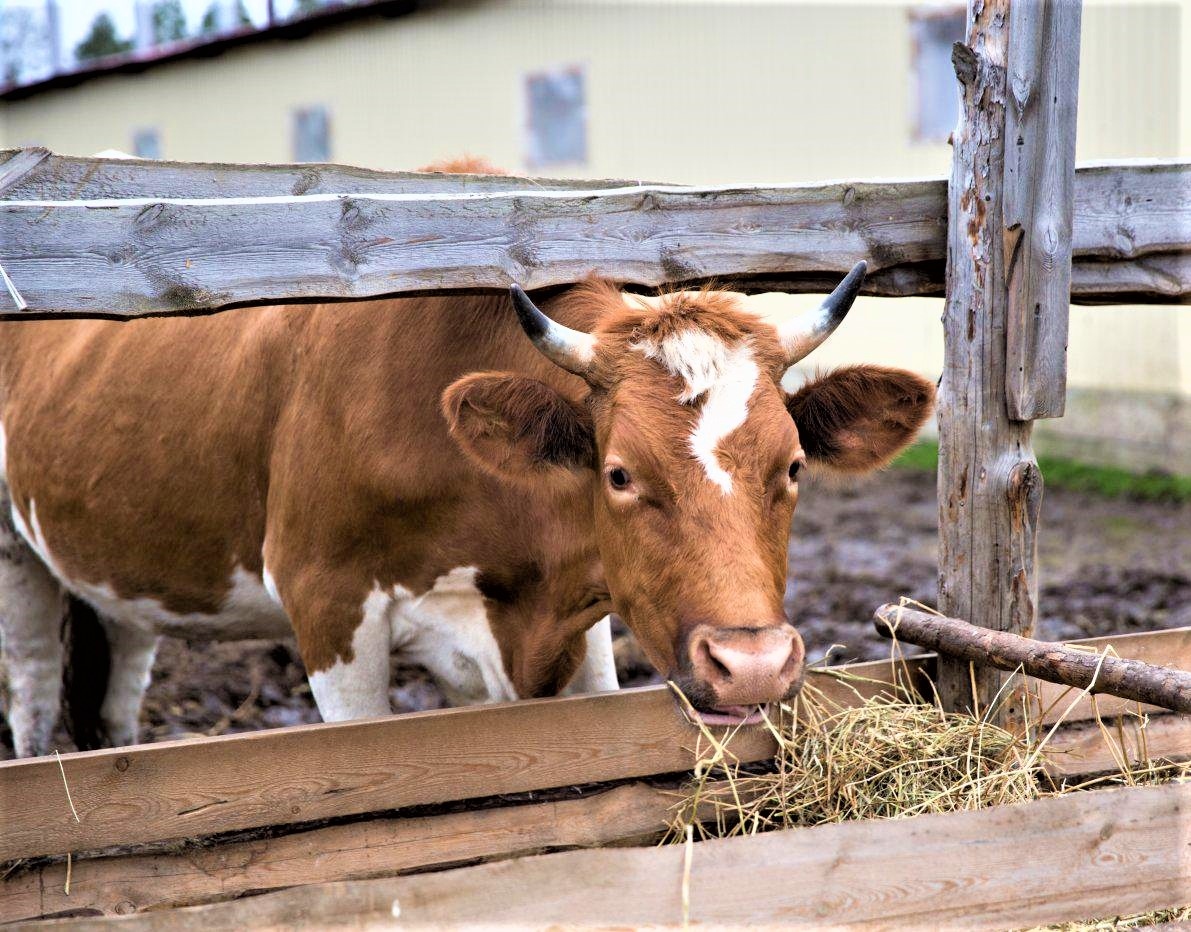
(684, 91)
(677, 90)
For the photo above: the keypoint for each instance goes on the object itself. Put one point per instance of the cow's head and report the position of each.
(688, 452)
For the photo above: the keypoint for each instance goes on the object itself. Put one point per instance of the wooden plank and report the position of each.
(160, 255)
(990, 487)
(16, 165)
(1108, 853)
(141, 256)
(1039, 202)
(200, 873)
(1170, 648)
(195, 787)
(213, 870)
(1084, 748)
(201, 786)
(66, 177)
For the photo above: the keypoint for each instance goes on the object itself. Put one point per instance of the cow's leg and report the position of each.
(32, 606)
(597, 673)
(132, 653)
(351, 683)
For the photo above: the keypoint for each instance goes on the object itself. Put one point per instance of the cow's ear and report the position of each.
(518, 428)
(858, 418)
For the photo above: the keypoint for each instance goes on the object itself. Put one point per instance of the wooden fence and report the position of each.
(322, 808)
(181, 238)
(187, 822)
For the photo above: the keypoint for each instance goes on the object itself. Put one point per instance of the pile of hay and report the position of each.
(886, 757)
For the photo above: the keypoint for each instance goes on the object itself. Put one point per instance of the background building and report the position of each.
(673, 90)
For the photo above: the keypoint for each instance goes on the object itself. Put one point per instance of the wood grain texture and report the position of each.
(1084, 748)
(1106, 853)
(208, 244)
(122, 885)
(67, 178)
(146, 256)
(1170, 648)
(990, 487)
(1132, 680)
(16, 165)
(126, 882)
(195, 787)
(1039, 202)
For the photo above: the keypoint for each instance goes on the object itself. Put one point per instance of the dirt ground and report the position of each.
(1108, 566)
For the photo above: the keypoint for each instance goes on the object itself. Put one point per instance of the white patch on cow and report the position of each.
(247, 610)
(270, 585)
(726, 376)
(359, 688)
(446, 630)
(597, 673)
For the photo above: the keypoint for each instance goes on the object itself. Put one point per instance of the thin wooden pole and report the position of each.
(990, 488)
(1165, 687)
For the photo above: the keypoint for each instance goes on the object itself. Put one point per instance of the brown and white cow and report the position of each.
(416, 475)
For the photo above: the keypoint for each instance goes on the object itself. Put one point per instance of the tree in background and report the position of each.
(213, 18)
(102, 40)
(169, 21)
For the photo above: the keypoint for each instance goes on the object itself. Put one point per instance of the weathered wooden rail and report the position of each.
(1105, 853)
(182, 238)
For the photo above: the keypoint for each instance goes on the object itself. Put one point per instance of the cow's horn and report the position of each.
(573, 350)
(803, 333)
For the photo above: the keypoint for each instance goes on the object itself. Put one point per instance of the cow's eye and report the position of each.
(794, 469)
(618, 478)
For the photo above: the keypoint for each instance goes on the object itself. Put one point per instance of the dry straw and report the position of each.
(892, 756)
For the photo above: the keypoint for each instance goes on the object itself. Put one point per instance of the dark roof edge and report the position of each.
(135, 62)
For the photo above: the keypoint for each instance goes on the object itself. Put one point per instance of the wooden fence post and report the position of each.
(1010, 206)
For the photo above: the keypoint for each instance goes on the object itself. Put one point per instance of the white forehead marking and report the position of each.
(727, 376)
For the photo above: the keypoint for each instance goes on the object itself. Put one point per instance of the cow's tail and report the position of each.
(85, 680)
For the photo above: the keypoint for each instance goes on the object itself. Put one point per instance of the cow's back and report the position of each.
(151, 462)
(136, 453)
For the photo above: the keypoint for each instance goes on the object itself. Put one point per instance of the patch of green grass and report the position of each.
(1061, 473)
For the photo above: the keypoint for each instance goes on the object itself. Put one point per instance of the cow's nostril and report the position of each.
(713, 662)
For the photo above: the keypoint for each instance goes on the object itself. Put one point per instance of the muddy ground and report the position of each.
(1108, 566)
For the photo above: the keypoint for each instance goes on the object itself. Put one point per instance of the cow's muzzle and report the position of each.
(732, 671)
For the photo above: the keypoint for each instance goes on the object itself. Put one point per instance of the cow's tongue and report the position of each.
(731, 715)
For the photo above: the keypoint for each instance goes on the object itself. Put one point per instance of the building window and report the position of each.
(312, 135)
(146, 143)
(933, 31)
(556, 105)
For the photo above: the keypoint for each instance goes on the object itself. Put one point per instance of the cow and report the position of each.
(474, 485)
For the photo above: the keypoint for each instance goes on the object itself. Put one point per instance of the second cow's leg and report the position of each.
(132, 653)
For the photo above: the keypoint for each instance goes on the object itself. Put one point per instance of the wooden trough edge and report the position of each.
(216, 246)
(205, 786)
(1108, 852)
(189, 874)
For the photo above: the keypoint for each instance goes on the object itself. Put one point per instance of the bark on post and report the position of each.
(990, 489)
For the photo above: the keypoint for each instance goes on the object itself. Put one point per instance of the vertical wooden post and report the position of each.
(1005, 323)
